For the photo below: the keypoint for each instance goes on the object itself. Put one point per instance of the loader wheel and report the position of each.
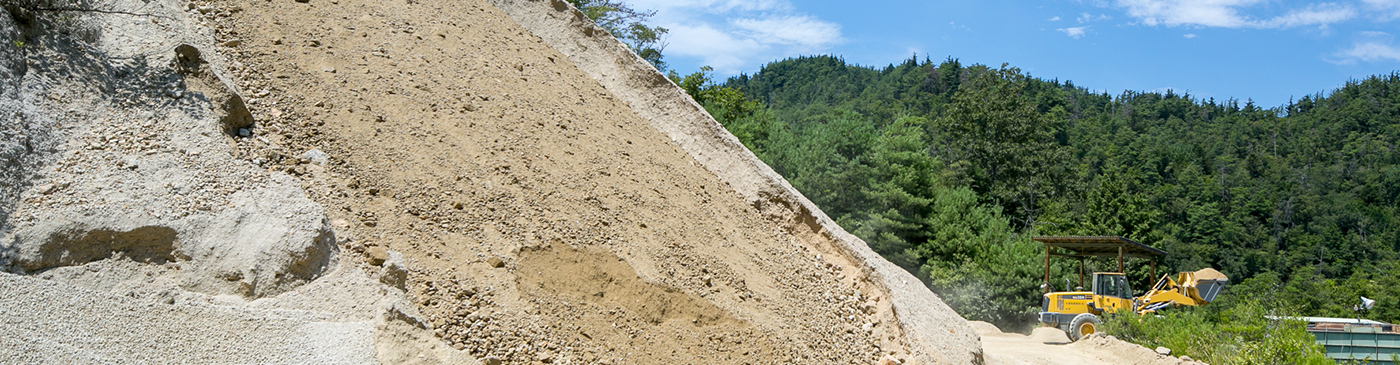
(1083, 325)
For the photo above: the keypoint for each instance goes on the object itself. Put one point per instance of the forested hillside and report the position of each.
(948, 169)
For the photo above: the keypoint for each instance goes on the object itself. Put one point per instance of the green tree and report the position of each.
(1005, 150)
(1116, 207)
(747, 119)
(899, 193)
(629, 26)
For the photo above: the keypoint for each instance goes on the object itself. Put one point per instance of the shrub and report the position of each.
(1229, 333)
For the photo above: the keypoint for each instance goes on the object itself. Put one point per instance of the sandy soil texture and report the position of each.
(1045, 347)
(539, 219)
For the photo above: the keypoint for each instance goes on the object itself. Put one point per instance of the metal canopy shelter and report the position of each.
(1082, 247)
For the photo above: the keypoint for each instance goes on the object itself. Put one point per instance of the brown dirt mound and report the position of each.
(517, 188)
(600, 279)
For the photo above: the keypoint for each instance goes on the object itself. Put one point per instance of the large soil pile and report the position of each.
(410, 181)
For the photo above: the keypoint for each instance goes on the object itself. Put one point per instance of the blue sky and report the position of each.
(1265, 50)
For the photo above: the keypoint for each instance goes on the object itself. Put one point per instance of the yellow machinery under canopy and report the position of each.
(1082, 247)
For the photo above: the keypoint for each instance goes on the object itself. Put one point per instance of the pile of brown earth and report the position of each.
(541, 219)
(413, 181)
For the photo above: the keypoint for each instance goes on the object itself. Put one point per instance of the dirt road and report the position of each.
(1049, 346)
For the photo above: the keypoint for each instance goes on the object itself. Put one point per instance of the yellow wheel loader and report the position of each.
(1077, 311)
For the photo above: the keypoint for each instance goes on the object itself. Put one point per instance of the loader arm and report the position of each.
(1189, 288)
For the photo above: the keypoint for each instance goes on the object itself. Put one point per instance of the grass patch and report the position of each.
(1224, 333)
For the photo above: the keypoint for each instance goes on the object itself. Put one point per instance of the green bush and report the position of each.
(1228, 333)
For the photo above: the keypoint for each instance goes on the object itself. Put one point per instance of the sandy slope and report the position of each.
(421, 182)
(540, 218)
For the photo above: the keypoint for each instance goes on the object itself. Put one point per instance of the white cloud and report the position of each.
(1316, 14)
(1055, 19)
(731, 35)
(1384, 10)
(1231, 13)
(791, 30)
(1211, 13)
(1076, 32)
(1189, 35)
(1086, 17)
(1372, 47)
(711, 6)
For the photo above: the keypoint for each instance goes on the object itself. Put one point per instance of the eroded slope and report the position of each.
(499, 170)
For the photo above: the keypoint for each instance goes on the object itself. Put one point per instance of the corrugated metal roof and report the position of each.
(1328, 320)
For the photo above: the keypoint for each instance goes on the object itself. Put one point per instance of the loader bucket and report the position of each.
(1210, 288)
(1209, 282)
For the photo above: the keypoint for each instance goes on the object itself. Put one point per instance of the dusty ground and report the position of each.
(540, 219)
(1018, 349)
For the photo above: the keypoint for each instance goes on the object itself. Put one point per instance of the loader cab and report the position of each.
(1111, 292)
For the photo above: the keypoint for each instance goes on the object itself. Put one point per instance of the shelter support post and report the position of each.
(1047, 269)
(1120, 259)
(1081, 272)
(1152, 275)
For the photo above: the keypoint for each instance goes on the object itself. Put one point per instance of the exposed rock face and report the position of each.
(131, 157)
(129, 232)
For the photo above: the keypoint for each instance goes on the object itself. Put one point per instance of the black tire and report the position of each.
(1083, 325)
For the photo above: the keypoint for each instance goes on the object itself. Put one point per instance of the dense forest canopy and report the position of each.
(948, 169)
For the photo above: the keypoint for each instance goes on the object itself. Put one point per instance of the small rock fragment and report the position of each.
(376, 255)
(316, 157)
(394, 272)
(1163, 351)
(495, 262)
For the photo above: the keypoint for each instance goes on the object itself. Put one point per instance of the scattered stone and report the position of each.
(340, 223)
(491, 361)
(1163, 351)
(394, 272)
(46, 189)
(316, 157)
(244, 132)
(495, 262)
(1186, 359)
(233, 43)
(376, 255)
